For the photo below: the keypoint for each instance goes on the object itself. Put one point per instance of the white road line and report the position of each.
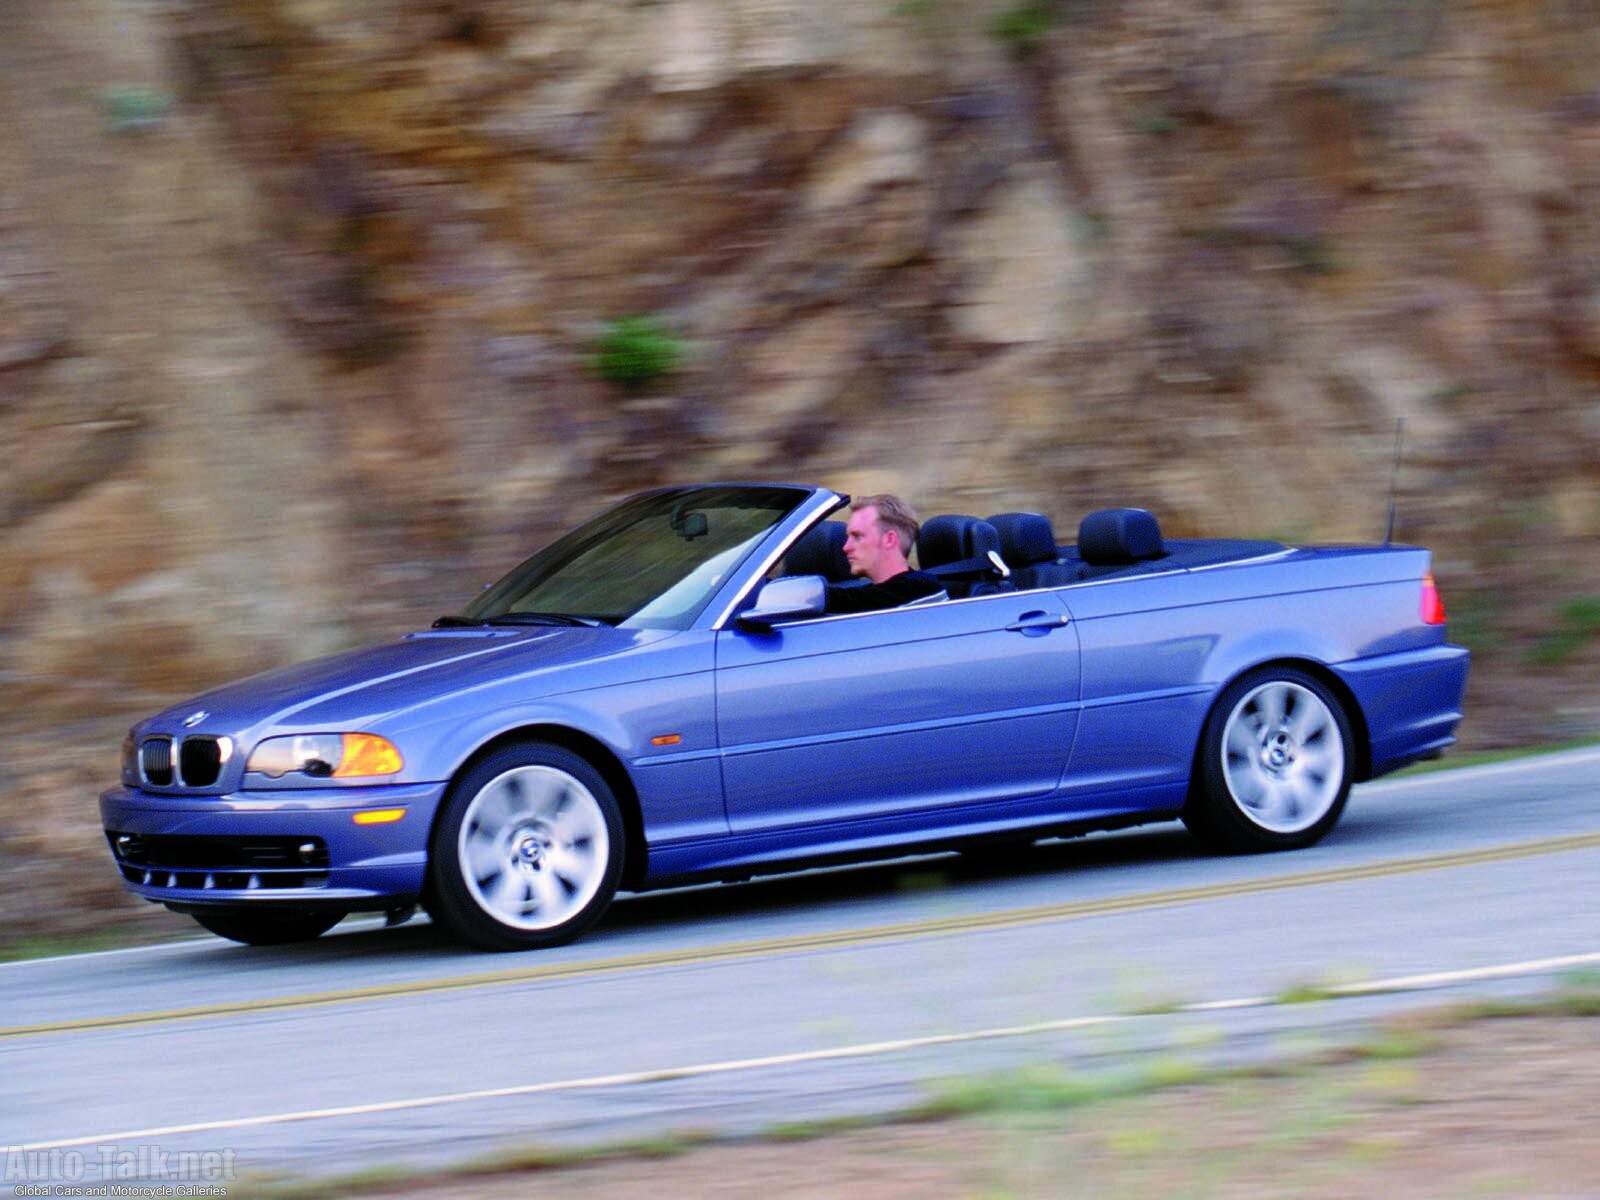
(87, 955)
(1415, 983)
(354, 923)
(1402, 983)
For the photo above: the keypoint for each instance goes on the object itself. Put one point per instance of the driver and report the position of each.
(878, 537)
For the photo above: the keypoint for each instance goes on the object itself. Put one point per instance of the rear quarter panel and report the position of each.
(1158, 648)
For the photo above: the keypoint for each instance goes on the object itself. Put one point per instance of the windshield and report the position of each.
(653, 562)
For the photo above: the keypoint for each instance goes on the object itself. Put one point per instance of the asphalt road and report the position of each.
(739, 1007)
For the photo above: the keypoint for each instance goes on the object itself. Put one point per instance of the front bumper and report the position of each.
(295, 848)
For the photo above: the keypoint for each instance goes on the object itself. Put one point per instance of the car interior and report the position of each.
(1018, 551)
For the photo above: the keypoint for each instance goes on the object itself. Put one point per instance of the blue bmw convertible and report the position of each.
(662, 696)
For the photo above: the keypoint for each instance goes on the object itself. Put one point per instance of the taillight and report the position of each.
(1432, 603)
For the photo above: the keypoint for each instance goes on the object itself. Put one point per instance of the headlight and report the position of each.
(326, 756)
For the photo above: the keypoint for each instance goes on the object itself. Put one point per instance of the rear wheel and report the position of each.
(527, 851)
(264, 927)
(1274, 769)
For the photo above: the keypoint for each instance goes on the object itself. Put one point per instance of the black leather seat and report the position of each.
(820, 551)
(1028, 544)
(1115, 539)
(955, 550)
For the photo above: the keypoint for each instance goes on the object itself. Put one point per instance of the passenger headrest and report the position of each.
(1025, 538)
(820, 552)
(953, 539)
(1119, 535)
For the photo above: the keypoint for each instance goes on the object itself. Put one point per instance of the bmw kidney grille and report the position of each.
(194, 762)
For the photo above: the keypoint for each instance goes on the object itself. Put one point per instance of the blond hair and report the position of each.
(893, 513)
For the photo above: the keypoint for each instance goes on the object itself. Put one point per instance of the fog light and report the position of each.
(308, 853)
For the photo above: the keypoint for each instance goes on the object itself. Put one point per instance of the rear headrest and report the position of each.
(952, 539)
(1119, 535)
(1025, 538)
(819, 552)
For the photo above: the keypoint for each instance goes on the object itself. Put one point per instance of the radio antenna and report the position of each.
(1394, 478)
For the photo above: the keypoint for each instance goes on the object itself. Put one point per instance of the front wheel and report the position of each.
(266, 927)
(1274, 766)
(527, 851)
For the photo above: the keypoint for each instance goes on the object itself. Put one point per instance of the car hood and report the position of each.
(363, 686)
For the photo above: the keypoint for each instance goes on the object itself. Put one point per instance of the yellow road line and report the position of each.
(835, 939)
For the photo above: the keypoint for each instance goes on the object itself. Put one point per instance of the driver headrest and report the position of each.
(951, 539)
(1119, 535)
(820, 551)
(1025, 538)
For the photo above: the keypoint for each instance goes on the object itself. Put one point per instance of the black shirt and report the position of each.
(891, 593)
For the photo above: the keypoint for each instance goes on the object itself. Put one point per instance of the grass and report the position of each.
(1045, 1087)
(516, 1161)
(1483, 758)
(78, 943)
(1306, 993)
(809, 1131)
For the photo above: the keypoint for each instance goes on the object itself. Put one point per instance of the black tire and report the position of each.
(527, 851)
(1274, 764)
(265, 926)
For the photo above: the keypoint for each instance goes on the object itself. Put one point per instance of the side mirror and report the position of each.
(790, 598)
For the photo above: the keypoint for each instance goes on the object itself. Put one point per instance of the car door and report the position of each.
(885, 713)
(1145, 643)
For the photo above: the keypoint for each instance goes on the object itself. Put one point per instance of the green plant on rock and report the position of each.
(1476, 619)
(1156, 120)
(131, 109)
(636, 351)
(1577, 623)
(1311, 254)
(1025, 25)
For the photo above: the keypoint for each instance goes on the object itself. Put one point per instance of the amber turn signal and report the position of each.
(367, 754)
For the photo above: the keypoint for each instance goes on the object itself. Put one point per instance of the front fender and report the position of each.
(661, 732)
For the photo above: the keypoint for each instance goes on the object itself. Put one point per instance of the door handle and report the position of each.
(1038, 622)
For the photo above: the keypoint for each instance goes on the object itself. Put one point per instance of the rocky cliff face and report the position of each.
(298, 302)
